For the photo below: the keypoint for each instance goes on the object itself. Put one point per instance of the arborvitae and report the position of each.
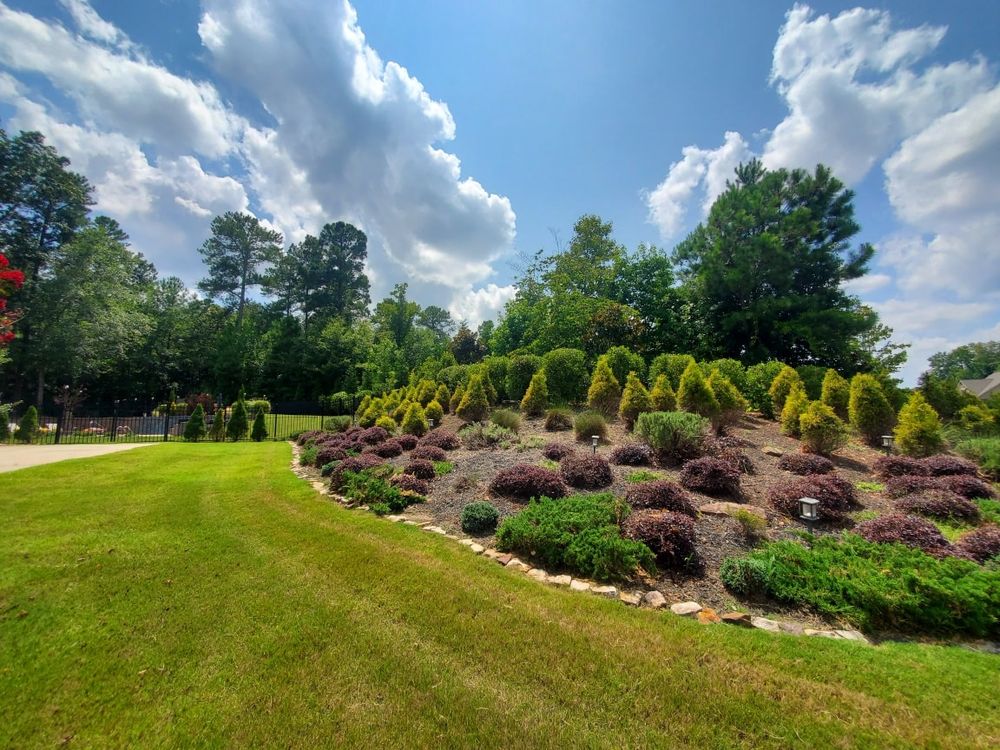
(796, 402)
(425, 392)
(443, 396)
(27, 428)
(386, 423)
(694, 395)
(918, 432)
(605, 391)
(370, 416)
(732, 405)
(259, 430)
(415, 421)
(363, 406)
(399, 413)
(195, 430)
(475, 404)
(488, 387)
(635, 400)
(536, 398)
(781, 386)
(869, 410)
(836, 393)
(239, 421)
(456, 398)
(218, 431)
(435, 411)
(821, 430)
(664, 398)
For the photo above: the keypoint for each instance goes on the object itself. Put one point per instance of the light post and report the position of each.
(809, 511)
(594, 440)
(431, 423)
(887, 442)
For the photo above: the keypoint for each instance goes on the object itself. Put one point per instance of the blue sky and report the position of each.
(458, 134)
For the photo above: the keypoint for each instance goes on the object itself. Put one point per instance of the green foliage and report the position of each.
(443, 468)
(918, 431)
(434, 411)
(519, 374)
(782, 385)
(558, 419)
(372, 489)
(218, 429)
(590, 423)
(662, 395)
(836, 393)
(387, 423)
(565, 374)
(821, 430)
(623, 360)
(456, 399)
(27, 428)
(795, 404)
(497, 369)
(758, 390)
(886, 586)
(425, 392)
(5, 410)
(643, 475)
(475, 405)
(945, 395)
(732, 369)
(255, 405)
(754, 527)
(869, 411)
(671, 365)
(306, 458)
(695, 395)
(478, 436)
(985, 452)
(239, 421)
(673, 435)
(579, 533)
(363, 406)
(258, 431)
(732, 405)
(506, 418)
(812, 380)
(443, 396)
(967, 362)
(414, 421)
(479, 518)
(977, 419)
(605, 391)
(868, 487)
(536, 398)
(635, 400)
(483, 373)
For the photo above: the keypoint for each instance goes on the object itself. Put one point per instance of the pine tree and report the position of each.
(781, 386)
(456, 398)
(259, 430)
(195, 430)
(475, 404)
(27, 428)
(239, 421)
(664, 398)
(605, 391)
(415, 421)
(821, 430)
(918, 433)
(536, 398)
(796, 402)
(732, 405)
(443, 397)
(836, 393)
(218, 431)
(635, 400)
(694, 395)
(869, 410)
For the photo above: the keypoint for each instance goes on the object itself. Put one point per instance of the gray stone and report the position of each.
(609, 591)
(772, 626)
(822, 633)
(686, 609)
(515, 564)
(853, 635)
(792, 628)
(630, 597)
(436, 530)
(397, 519)
(578, 585)
(563, 580)
(728, 509)
(770, 450)
(654, 599)
(477, 548)
(538, 574)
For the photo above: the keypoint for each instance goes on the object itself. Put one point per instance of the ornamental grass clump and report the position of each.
(586, 471)
(918, 432)
(669, 535)
(507, 419)
(982, 544)
(421, 468)
(195, 430)
(605, 391)
(479, 518)
(558, 419)
(635, 400)
(805, 464)
(661, 495)
(836, 393)
(525, 481)
(868, 409)
(821, 430)
(479, 436)
(837, 497)
(590, 423)
(631, 454)
(712, 476)
(941, 504)
(475, 406)
(694, 394)
(557, 451)
(673, 436)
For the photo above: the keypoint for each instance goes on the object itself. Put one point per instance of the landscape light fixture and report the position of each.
(594, 440)
(431, 422)
(887, 442)
(809, 511)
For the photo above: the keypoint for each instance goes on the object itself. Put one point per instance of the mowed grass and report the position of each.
(202, 595)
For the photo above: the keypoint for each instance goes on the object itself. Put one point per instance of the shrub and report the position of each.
(239, 423)
(557, 451)
(669, 535)
(218, 429)
(421, 468)
(585, 471)
(389, 449)
(662, 395)
(631, 454)
(897, 466)
(940, 466)
(796, 403)
(339, 424)
(443, 396)
(434, 411)
(673, 436)
(821, 430)
(497, 368)
(907, 484)
(732, 405)
(308, 456)
(558, 420)
(605, 391)
(255, 405)
(479, 518)
(977, 419)
(195, 430)
(456, 399)
(478, 436)
(425, 392)
(373, 435)
(671, 365)
(590, 423)
(694, 394)
(410, 483)
(475, 404)
(453, 376)
(966, 486)
(536, 398)
(759, 380)
(939, 503)
(812, 380)
(836, 393)
(805, 464)
(507, 419)
(353, 464)
(328, 454)
(374, 490)
(869, 410)
(414, 421)
(259, 430)
(519, 374)
(386, 423)
(711, 475)
(837, 497)
(871, 585)
(754, 527)
(579, 533)
(910, 531)
(635, 400)
(732, 369)
(982, 544)
(782, 386)
(661, 495)
(565, 374)
(429, 453)
(623, 360)
(409, 442)
(363, 406)
(918, 432)
(525, 481)
(737, 459)
(398, 414)
(444, 439)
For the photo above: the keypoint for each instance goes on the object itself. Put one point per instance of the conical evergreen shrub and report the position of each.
(434, 411)
(443, 396)
(536, 398)
(781, 386)
(399, 413)
(218, 431)
(664, 398)
(635, 400)
(425, 392)
(796, 402)
(732, 405)
(363, 406)
(239, 421)
(456, 398)
(27, 428)
(836, 393)
(821, 430)
(415, 421)
(605, 391)
(475, 406)
(387, 423)
(694, 395)
(259, 430)
(195, 430)
(918, 432)
(869, 410)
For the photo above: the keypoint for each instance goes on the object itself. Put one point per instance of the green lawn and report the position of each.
(201, 595)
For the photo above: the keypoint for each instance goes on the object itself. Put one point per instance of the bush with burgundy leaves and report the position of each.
(711, 475)
(660, 495)
(525, 481)
(389, 449)
(941, 466)
(982, 544)
(911, 531)
(407, 442)
(907, 484)
(586, 471)
(668, 534)
(443, 439)
(429, 453)
(898, 466)
(939, 503)
(353, 464)
(410, 483)
(421, 468)
(328, 454)
(632, 454)
(805, 464)
(968, 487)
(373, 436)
(836, 496)
(557, 451)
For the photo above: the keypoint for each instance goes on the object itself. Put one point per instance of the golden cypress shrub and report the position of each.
(425, 392)
(694, 395)
(475, 406)
(795, 403)
(782, 386)
(443, 396)
(415, 420)
(387, 423)
(870, 412)
(635, 400)
(664, 398)
(456, 398)
(536, 398)
(605, 391)
(821, 430)
(918, 432)
(836, 393)
(435, 411)
(732, 405)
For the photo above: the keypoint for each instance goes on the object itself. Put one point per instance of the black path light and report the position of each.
(809, 511)
(594, 440)
(887, 442)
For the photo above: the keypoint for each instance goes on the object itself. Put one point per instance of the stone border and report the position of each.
(651, 599)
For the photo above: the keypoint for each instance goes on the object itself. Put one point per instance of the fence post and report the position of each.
(166, 425)
(59, 422)
(274, 425)
(114, 423)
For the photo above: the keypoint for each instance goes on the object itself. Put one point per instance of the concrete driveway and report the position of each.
(13, 457)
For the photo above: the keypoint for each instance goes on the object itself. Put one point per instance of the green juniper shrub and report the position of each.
(355, 464)
(579, 533)
(870, 412)
(337, 424)
(475, 406)
(258, 431)
(27, 428)
(872, 585)
(671, 365)
(623, 360)
(694, 394)
(519, 374)
(643, 475)
(558, 419)
(784, 383)
(635, 400)
(373, 489)
(662, 395)
(673, 436)
(989, 510)
(590, 423)
(5, 410)
(605, 391)
(480, 518)
(239, 421)
(759, 380)
(566, 375)
(308, 455)
(478, 436)
(218, 430)
(506, 418)
(195, 430)
(821, 430)
(918, 432)
(836, 393)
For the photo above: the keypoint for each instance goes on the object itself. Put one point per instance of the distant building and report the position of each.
(984, 387)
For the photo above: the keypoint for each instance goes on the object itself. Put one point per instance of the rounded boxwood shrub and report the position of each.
(805, 463)
(821, 430)
(605, 391)
(444, 439)
(631, 454)
(590, 423)
(536, 398)
(586, 471)
(565, 374)
(353, 464)
(507, 419)
(941, 466)
(635, 400)
(661, 495)
(410, 483)
(938, 503)
(671, 365)
(557, 451)
(897, 466)
(558, 420)
(982, 544)
(837, 497)
(869, 410)
(911, 531)
(918, 432)
(421, 468)
(407, 442)
(479, 518)
(836, 393)
(327, 454)
(526, 481)
(669, 535)
(711, 475)
(429, 453)
(662, 395)
(673, 436)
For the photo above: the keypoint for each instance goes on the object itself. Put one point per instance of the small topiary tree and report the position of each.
(732, 405)
(434, 411)
(479, 518)
(918, 432)
(664, 398)
(605, 391)
(836, 393)
(795, 404)
(195, 430)
(671, 365)
(218, 431)
(821, 430)
(415, 420)
(635, 400)
(781, 387)
(239, 420)
(694, 395)
(443, 396)
(475, 404)
(869, 410)
(425, 392)
(456, 398)
(536, 398)
(27, 428)
(259, 430)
